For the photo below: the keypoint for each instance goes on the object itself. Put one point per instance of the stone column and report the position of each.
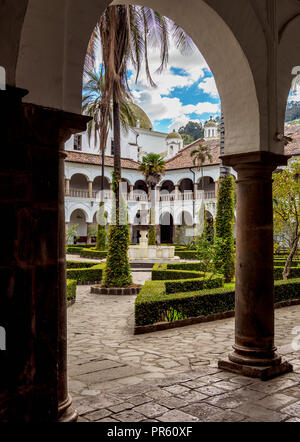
(158, 188)
(89, 238)
(254, 351)
(176, 192)
(90, 183)
(33, 382)
(67, 187)
(195, 191)
(157, 228)
(131, 190)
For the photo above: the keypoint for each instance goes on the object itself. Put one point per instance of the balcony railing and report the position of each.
(186, 196)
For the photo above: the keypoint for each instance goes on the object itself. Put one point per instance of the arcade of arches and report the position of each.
(252, 48)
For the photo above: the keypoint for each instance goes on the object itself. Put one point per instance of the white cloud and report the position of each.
(296, 94)
(178, 122)
(209, 87)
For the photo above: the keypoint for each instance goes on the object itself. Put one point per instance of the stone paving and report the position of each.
(172, 375)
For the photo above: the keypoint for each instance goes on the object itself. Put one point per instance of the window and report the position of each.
(112, 148)
(78, 142)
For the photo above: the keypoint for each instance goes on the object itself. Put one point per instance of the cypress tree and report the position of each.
(117, 271)
(224, 237)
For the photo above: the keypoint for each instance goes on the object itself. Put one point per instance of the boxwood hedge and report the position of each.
(294, 272)
(91, 253)
(86, 275)
(154, 304)
(80, 265)
(71, 289)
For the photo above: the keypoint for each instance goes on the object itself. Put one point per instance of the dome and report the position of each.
(210, 123)
(174, 135)
(141, 116)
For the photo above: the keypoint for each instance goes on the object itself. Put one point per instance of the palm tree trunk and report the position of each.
(102, 172)
(117, 151)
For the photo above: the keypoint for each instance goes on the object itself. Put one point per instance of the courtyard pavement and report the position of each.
(172, 375)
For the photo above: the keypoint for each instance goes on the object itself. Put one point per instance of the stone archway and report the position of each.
(45, 45)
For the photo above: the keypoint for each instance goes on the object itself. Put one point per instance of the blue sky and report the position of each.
(185, 91)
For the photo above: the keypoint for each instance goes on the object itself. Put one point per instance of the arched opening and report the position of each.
(207, 186)
(185, 219)
(186, 189)
(59, 81)
(79, 218)
(97, 187)
(140, 191)
(167, 192)
(79, 186)
(166, 228)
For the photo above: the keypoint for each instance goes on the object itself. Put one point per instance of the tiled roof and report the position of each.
(183, 159)
(87, 158)
(293, 131)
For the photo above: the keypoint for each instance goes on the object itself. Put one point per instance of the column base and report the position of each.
(261, 372)
(66, 413)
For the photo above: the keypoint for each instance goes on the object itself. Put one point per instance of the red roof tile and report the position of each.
(183, 159)
(87, 158)
(293, 131)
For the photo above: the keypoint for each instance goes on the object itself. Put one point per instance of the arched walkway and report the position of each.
(43, 50)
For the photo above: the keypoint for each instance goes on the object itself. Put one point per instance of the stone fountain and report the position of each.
(145, 252)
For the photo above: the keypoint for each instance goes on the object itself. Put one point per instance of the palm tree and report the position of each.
(124, 33)
(95, 106)
(200, 155)
(152, 167)
(100, 112)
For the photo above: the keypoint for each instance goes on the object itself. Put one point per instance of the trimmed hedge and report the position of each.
(80, 265)
(85, 275)
(294, 272)
(178, 277)
(71, 289)
(163, 272)
(153, 304)
(281, 263)
(86, 253)
(73, 250)
(186, 254)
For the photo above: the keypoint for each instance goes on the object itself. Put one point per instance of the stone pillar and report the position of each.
(157, 228)
(131, 190)
(33, 381)
(216, 189)
(254, 351)
(67, 187)
(195, 191)
(158, 188)
(176, 192)
(90, 189)
(89, 238)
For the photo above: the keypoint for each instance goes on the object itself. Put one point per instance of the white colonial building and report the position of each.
(183, 191)
(179, 197)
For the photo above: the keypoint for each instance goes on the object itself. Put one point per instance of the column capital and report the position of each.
(255, 159)
(51, 126)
